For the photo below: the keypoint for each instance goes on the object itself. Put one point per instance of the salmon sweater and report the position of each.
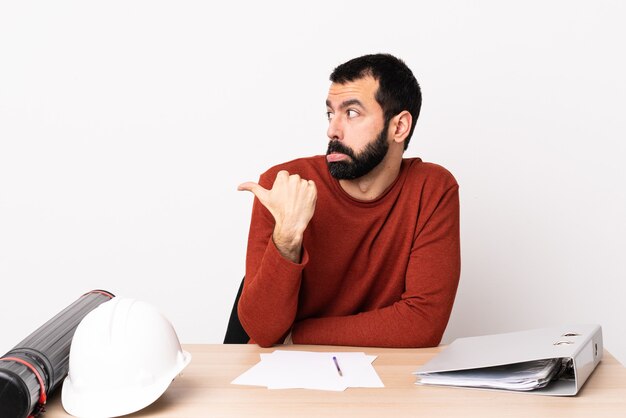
(378, 273)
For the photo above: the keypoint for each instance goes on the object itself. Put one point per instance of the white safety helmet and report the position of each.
(123, 357)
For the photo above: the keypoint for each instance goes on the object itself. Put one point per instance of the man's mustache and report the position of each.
(336, 146)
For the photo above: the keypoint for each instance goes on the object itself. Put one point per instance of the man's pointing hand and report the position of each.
(291, 201)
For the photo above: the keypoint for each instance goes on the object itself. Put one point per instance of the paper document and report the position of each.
(524, 376)
(312, 370)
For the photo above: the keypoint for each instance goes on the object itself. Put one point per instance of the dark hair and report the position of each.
(398, 89)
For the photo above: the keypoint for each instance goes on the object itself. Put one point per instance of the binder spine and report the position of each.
(587, 357)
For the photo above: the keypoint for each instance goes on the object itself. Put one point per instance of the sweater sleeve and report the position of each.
(269, 300)
(420, 317)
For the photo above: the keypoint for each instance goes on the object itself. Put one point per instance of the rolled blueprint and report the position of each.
(35, 367)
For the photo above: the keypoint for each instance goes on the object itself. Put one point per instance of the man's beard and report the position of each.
(361, 164)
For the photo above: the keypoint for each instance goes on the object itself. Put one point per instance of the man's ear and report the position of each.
(402, 126)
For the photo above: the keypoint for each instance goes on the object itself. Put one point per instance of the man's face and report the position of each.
(357, 130)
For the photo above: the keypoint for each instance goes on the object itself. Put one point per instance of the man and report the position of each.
(359, 247)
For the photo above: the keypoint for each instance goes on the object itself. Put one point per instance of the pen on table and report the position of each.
(337, 366)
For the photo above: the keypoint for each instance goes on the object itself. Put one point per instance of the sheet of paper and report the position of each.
(291, 369)
(254, 376)
(311, 370)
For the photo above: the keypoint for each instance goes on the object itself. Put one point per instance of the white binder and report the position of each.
(580, 343)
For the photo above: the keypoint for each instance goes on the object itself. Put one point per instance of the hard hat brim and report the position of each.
(109, 402)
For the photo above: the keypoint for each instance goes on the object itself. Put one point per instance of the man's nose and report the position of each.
(335, 130)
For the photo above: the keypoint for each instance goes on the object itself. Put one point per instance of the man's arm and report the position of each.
(275, 257)
(420, 317)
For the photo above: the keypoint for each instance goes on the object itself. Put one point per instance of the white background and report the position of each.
(125, 128)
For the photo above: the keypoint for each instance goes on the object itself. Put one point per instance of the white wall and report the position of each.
(125, 128)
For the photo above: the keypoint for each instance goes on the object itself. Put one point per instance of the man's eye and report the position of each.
(329, 115)
(352, 113)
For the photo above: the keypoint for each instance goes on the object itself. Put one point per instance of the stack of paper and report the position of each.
(524, 376)
(312, 370)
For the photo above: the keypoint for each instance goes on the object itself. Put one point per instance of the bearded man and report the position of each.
(359, 247)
